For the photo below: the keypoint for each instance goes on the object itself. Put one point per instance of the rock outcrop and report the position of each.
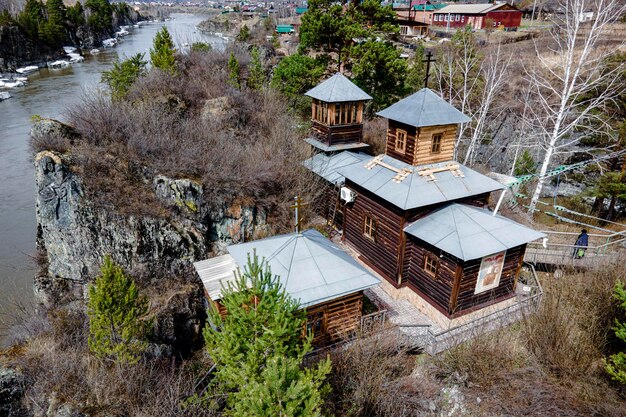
(16, 50)
(75, 235)
(12, 385)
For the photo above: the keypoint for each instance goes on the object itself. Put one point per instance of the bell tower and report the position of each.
(422, 128)
(337, 115)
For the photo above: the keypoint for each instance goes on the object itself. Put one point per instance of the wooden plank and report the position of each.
(456, 288)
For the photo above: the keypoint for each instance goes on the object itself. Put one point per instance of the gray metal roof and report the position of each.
(417, 190)
(310, 267)
(327, 166)
(334, 148)
(468, 232)
(216, 273)
(337, 89)
(470, 8)
(424, 108)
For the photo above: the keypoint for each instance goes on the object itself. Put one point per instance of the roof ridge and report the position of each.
(315, 262)
(456, 228)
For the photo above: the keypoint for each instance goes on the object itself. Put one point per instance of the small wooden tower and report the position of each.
(337, 115)
(422, 128)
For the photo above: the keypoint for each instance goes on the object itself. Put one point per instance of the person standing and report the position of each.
(581, 244)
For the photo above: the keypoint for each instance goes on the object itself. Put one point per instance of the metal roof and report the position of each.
(310, 267)
(326, 166)
(417, 190)
(334, 148)
(470, 8)
(468, 232)
(424, 108)
(337, 89)
(216, 273)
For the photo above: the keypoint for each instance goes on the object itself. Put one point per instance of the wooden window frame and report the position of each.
(401, 149)
(309, 324)
(439, 136)
(370, 228)
(435, 260)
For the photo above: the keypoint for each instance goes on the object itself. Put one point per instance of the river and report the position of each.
(48, 94)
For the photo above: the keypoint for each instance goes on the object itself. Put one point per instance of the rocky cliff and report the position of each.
(75, 235)
(16, 50)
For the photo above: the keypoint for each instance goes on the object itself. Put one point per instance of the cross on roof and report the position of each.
(299, 203)
(428, 60)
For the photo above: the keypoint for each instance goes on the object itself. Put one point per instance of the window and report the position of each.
(316, 323)
(320, 111)
(445, 17)
(458, 17)
(431, 264)
(369, 226)
(463, 18)
(346, 113)
(404, 30)
(400, 140)
(436, 18)
(436, 143)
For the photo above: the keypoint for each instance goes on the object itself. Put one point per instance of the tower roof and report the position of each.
(338, 89)
(469, 232)
(424, 108)
(311, 268)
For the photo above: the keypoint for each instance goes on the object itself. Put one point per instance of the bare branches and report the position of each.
(571, 84)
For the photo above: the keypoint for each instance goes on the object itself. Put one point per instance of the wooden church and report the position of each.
(420, 219)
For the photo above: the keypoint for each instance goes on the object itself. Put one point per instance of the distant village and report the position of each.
(416, 18)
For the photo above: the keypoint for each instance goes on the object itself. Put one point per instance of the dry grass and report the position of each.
(61, 373)
(372, 376)
(550, 363)
(239, 144)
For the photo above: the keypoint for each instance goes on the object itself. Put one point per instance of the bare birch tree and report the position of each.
(569, 84)
(493, 70)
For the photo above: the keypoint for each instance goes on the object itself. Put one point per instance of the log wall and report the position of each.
(342, 316)
(335, 135)
(438, 289)
(423, 155)
(382, 252)
(392, 131)
(419, 143)
(510, 271)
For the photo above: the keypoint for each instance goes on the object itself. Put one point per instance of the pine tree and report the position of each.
(123, 75)
(616, 364)
(31, 18)
(76, 14)
(234, 77)
(256, 77)
(244, 34)
(258, 349)
(162, 53)
(53, 30)
(101, 16)
(417, 72)
(115, 309)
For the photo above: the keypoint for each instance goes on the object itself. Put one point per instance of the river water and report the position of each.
(48, 94)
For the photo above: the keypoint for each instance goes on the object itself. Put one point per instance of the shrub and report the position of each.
(616, 363)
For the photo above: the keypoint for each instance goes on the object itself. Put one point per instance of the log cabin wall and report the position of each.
(325, 204)
(467, 299)
(340, 317)
(408, 154)
(480, 200)
(382, 252)
(424, 153)
(439, 288)
(335, 135)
